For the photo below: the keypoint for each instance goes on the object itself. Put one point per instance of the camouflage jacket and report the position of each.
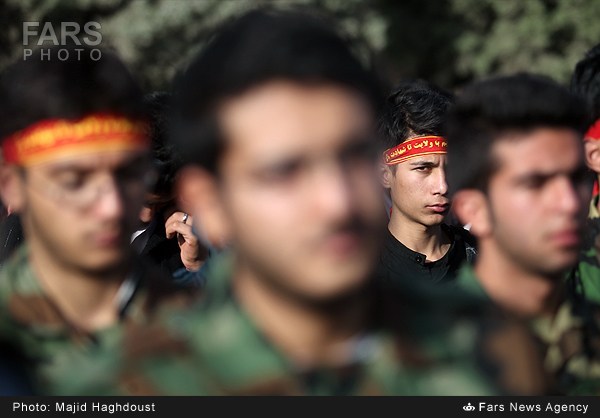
(416, 348)
(587, 273)
(569, 342)
(62, 359)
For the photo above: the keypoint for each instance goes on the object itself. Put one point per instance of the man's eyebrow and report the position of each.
(84, 166)
(423, 163)
(544, 175)
(71, 166)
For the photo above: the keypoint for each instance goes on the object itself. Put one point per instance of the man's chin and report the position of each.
(432, 220)
(338, 282)
(105, 262)
(326, 298)
(561, 264)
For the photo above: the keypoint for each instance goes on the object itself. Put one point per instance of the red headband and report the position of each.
(593, 134)
(54, 138)
(415, 147)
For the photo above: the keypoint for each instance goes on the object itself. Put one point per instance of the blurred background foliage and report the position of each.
(449, 42)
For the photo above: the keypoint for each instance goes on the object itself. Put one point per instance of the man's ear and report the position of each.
(386, 175)
(592, 155)
(198, 194)
(472, 208)
(12, 188)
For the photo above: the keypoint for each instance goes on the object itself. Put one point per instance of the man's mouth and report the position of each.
(439, 207)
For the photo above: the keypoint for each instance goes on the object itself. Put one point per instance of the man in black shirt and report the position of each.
(418, 245)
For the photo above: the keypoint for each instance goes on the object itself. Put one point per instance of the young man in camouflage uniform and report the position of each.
(517, 174)
(76, 168)
(277, 118)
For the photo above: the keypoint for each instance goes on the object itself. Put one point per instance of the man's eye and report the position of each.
(72, 182)
(535, 182)
(423, 169)
(282, 172)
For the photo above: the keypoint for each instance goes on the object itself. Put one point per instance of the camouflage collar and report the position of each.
(467, 281)
(244, 361)
(29, 307)
(560, 333)
(594, 213)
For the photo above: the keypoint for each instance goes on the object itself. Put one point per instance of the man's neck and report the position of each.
(516, 290)
(308, 336)
(428, 240)
(85, 300)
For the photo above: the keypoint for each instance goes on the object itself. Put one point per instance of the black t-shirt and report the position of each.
(399, 264)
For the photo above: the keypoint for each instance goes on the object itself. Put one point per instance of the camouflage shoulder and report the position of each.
(11, 273)
(576, 346)
(472, 341)
(19, 294)
(586, 275)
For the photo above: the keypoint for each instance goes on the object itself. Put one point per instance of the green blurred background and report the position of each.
(447, 42)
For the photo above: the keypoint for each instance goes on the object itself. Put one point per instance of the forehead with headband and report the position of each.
(51, 139)
(415, 147)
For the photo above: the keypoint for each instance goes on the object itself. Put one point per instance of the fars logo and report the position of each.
(468, 407)
(46, 34)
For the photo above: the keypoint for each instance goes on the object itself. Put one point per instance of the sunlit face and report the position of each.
(418, 189)
(299, 187)
(538, 199)
(82, 210)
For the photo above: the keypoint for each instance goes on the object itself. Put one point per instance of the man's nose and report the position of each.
(109, 200)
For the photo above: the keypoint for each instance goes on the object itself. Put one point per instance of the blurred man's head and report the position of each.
(517, 173)
(585, 82)
(410, 130)
(75, 157)
(279, 114)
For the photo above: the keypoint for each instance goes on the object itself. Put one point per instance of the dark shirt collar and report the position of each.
(399, 262)
(404, 252)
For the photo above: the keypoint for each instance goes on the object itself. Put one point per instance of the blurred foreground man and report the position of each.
(76, 168)
(277, 118)
(518, 176)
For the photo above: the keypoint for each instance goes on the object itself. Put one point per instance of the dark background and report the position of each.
(449, 42)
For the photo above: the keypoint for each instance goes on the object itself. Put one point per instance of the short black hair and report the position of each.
(414, 108)
(166, 160)
(260, 46)
(490, 109)
(585, 80)
(39, 88)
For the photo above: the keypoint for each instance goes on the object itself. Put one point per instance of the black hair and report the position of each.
(256, 48)
(414, 108)
(166, 160)
(490, 109)
(585, 80)
(47, 87)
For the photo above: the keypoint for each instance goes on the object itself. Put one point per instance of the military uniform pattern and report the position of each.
(415, 348)
(568, 342)
(588, 270)
(61, 358)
